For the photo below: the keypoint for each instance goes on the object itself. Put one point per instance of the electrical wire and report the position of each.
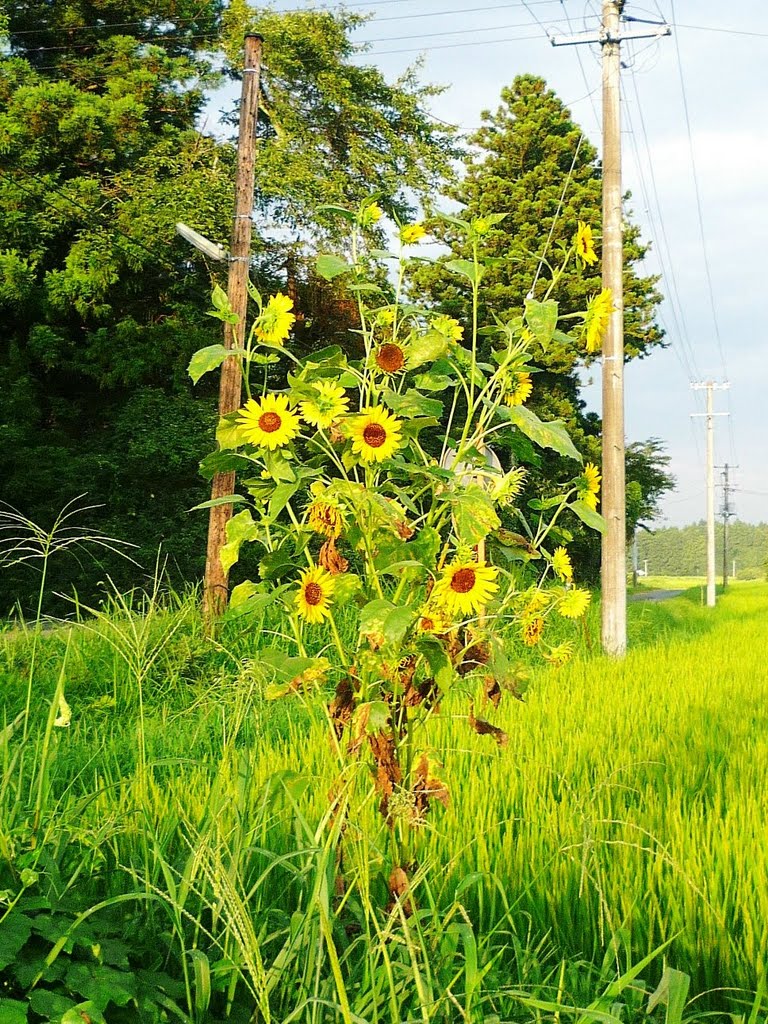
(697, 192)
(42, 199)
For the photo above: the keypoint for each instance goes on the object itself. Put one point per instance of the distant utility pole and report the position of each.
(216, 579)
(727, 513)
(614, 554)
(710, 387)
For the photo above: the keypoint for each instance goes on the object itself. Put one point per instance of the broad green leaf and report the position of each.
(547, 435)
(427, 348)
(279, 563)
(413, 403)
(205, 360)
(227, 499)
(280, 498)
(425, 546)
(85, 1011)
(339, 211)
(253, 604)
(473, 514)
(588, 516)
(440, 664)
(50, 1004)
(227, 432)
(14, 932)
(329, 266)
(12, 1011)
(220, 299)
(541, 318)
(380, 618)
(466, 268)
(540, 504)
(432, 381)
(240, 528)
(279, 468)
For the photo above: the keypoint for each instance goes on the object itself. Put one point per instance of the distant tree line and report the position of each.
(682, 551)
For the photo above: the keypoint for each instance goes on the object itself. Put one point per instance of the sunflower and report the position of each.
(268, 423)
(313, 601)
(520, 389)
(411, 233)
(390, 357)
(448, 327)
(466, 586)
(432, 621)
(371, 214)
(589, 485)
(584, 244)
(561, 563)
(532, 631)
(329, 404)
(574, 603)
(375, 434)
(559, 655)
(506, 488)
(599, 309)
(275, 320)
(325, 519)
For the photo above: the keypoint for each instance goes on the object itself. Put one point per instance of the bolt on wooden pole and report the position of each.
(216, 583)
(614, 548)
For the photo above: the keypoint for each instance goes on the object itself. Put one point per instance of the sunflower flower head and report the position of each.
(314, 597)
(561, 563)
(584, 244)
(532, 630)
(328, 404)
(588, 485)
(508, 487)
(275, 320)
(596, 319)
(390, 357)
(371, 214)
(520, 388)
(325, 518)
(269, 423)
(410, 234)
(560, 654)
(574, 603)
(375, 434)
(448, 327)
(466, 586)
(431, 620)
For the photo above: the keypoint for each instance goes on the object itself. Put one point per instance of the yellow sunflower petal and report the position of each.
(375, 434)
(313, 600)
(269, 423)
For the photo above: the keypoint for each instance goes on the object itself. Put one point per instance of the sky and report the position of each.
(695, 157)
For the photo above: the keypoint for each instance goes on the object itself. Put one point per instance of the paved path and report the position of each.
(655, 595)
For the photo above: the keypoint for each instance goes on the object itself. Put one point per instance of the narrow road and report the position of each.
(655, 595)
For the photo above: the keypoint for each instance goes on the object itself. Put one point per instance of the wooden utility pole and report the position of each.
(614, 561)
(614, 551)
(216, 579)
(710, 414)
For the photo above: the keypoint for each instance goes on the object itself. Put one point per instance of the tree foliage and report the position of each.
(103, 148)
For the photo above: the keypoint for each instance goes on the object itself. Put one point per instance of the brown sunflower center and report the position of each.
(427, 623)
(463, 581)
(270, 422)
(313, 593)
(390, 358)
(374, 435)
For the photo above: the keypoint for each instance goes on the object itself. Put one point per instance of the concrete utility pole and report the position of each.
(710, 414)
(614, 553)
(216, 579)
(727, 513)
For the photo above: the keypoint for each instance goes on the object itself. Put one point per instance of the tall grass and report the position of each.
(626, 811)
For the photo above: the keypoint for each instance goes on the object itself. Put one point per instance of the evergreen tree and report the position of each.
(530, 161)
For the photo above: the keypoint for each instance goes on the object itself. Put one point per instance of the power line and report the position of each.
(697, 193)
(288, 10)
(91, 213)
